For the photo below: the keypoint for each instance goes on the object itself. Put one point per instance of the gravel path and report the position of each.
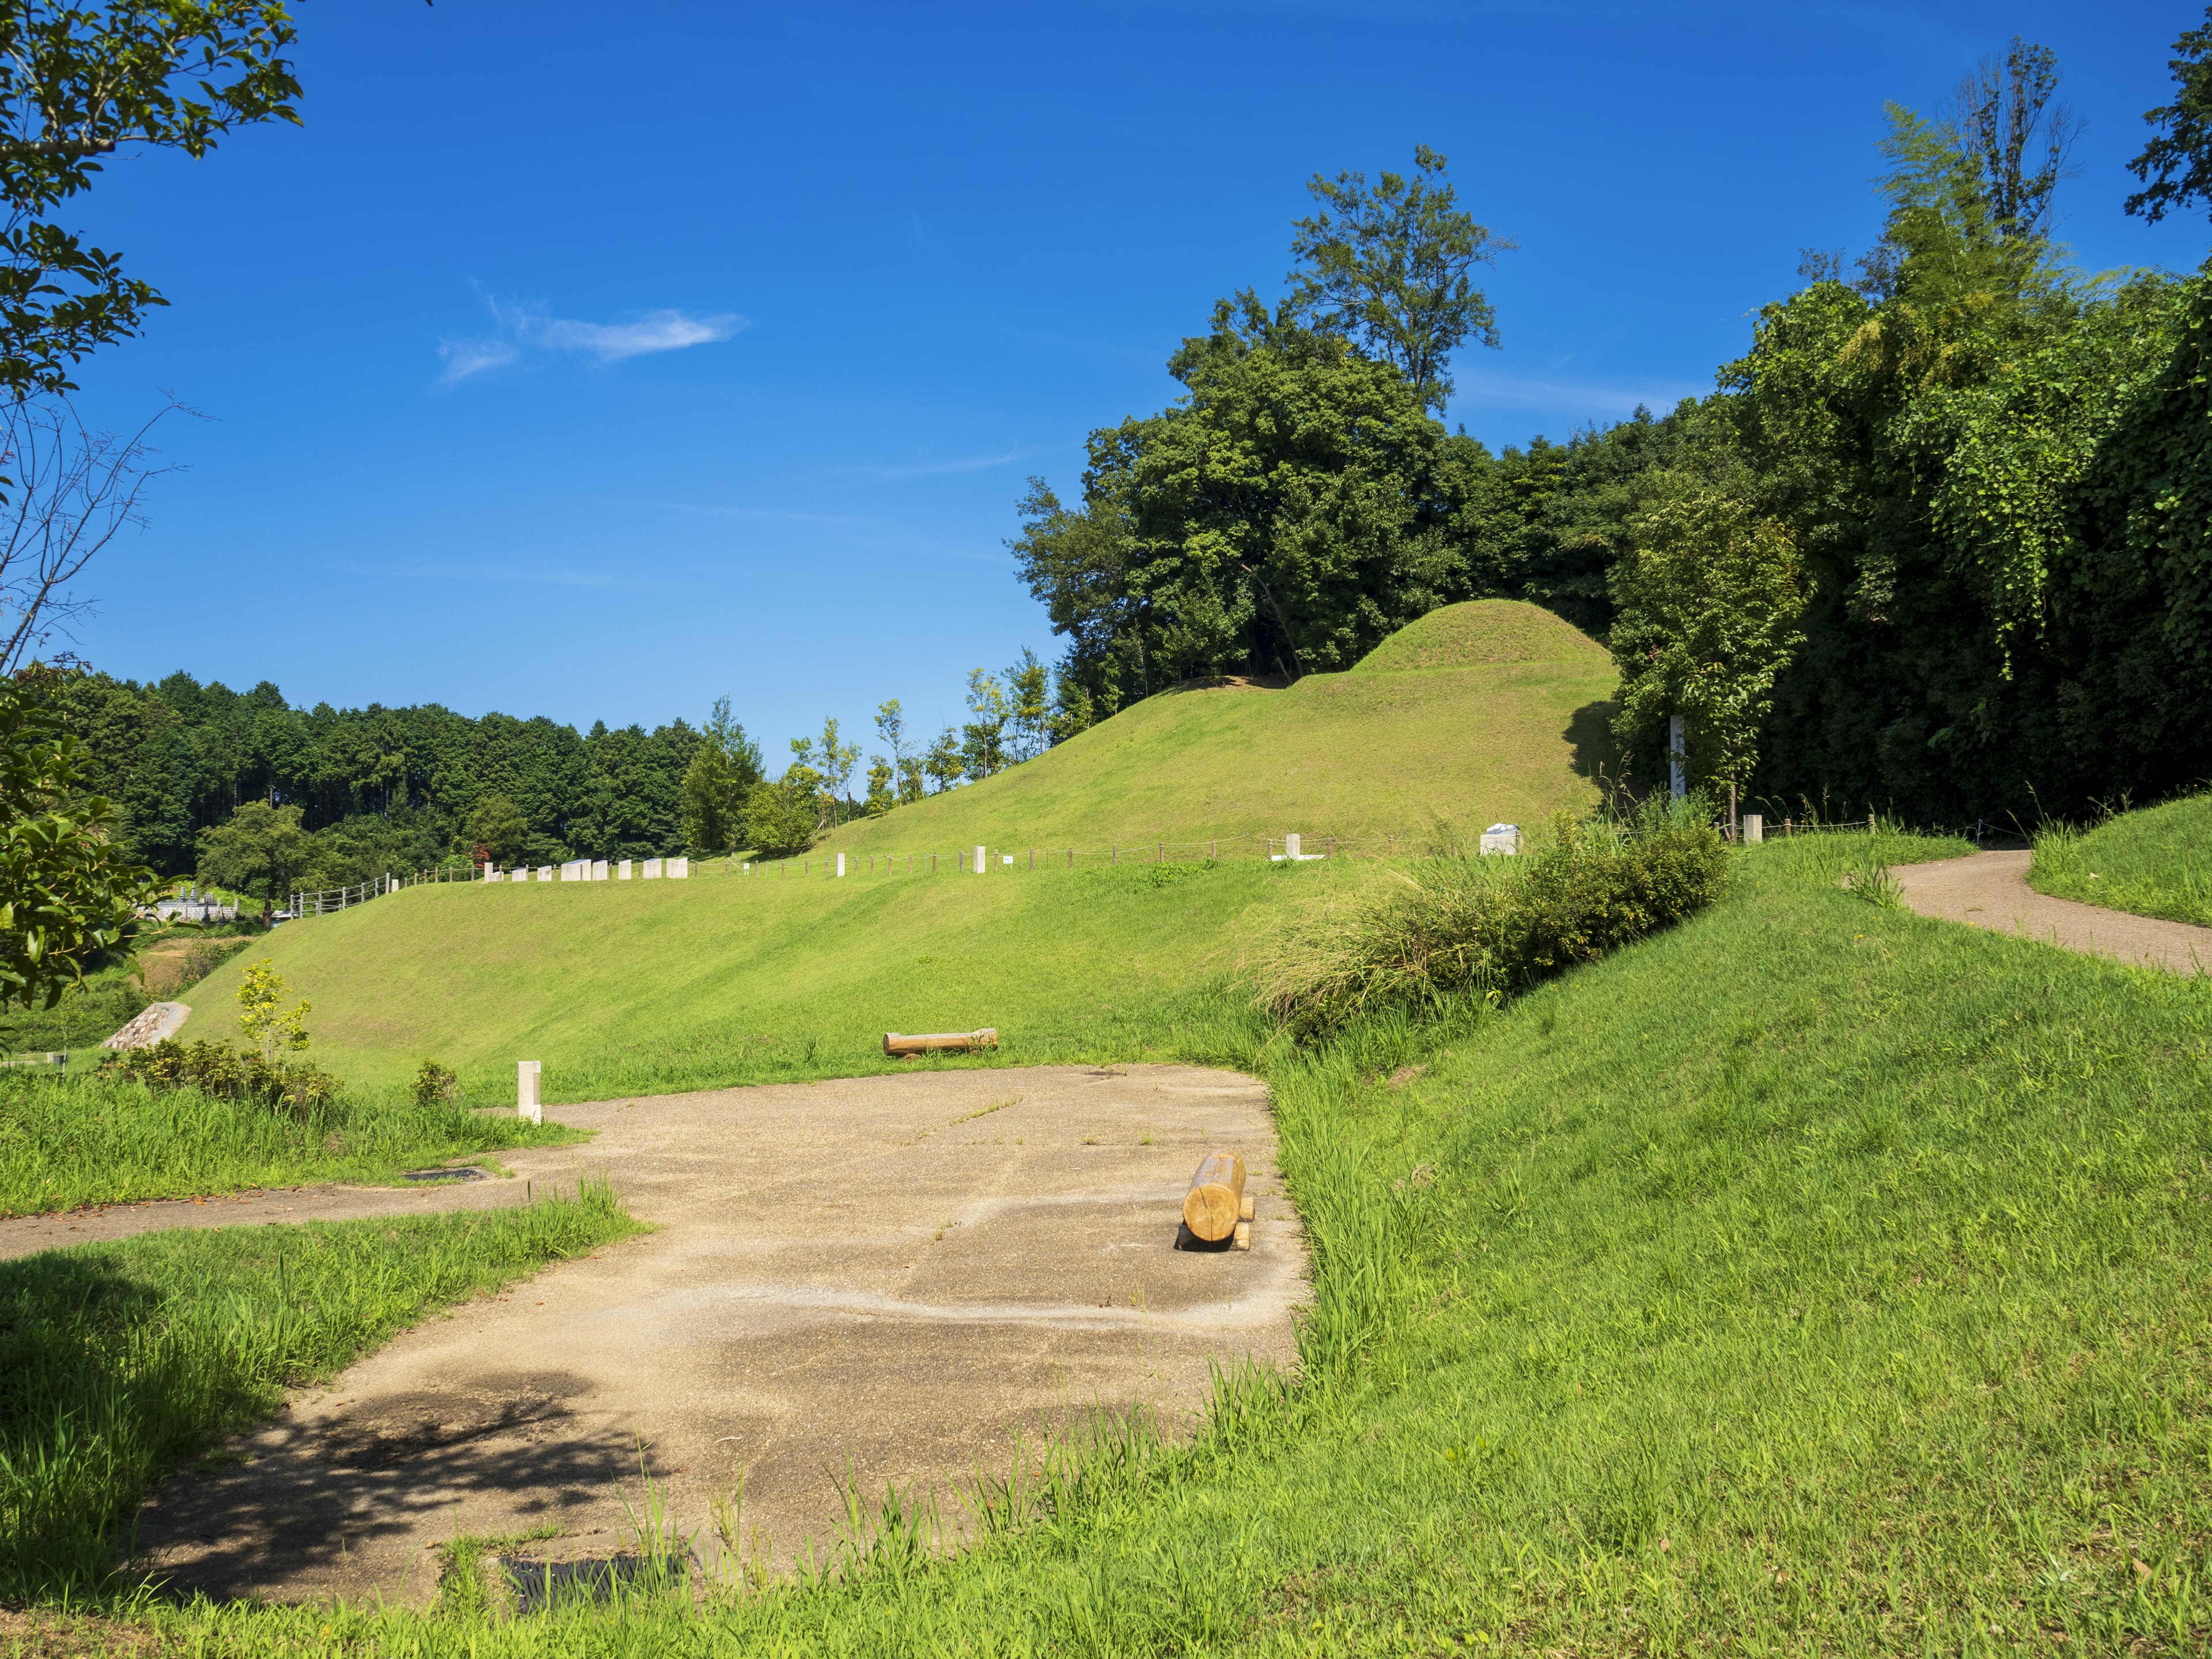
(1990, 890)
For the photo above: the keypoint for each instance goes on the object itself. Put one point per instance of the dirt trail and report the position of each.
(1990, 890)
(888, 1278)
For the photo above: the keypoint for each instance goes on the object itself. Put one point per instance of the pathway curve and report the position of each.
(882, 1279)
(1990, 890)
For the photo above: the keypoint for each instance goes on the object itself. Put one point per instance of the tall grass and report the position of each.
(67, 1142)
(119, 1360)
(2156, 861)
(1440, 930)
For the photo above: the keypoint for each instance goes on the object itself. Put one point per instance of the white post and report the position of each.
(1754, 829)
(1290, 849)
(841, 866)
(979, 860)
(1677, 779)
(625, 871)
(526, 1073)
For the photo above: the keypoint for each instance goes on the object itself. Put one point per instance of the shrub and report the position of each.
(224, 1073)
(435, 1086)
(1457, 926)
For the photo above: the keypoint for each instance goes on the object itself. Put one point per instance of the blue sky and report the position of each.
(594, 362)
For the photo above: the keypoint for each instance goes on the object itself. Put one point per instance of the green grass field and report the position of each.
(2156, 862)
(1813, 1277)
(1487, 711)
(635, 988)
(120, 1361)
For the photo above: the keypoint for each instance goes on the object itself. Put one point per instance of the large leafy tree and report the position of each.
(2175, 168)
(1392, 266)
(76, 82)
(260, 849)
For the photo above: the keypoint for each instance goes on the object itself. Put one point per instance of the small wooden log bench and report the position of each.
(1217, 1206)
(907, 1047)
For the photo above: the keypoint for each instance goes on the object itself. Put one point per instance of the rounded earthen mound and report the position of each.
(1478, 633)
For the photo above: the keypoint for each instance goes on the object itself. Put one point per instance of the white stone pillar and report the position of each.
(527, 1075)
(678, 869)
(624, 869)
(652, 870)
(980, 853)
(1754, 828)
(840, 866)
(1291, 849)
(600, 870)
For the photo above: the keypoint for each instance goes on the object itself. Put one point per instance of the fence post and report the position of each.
(1869, 823)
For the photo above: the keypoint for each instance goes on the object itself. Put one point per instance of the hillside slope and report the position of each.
(1489, 710)
(2154, 862)
(631, 987)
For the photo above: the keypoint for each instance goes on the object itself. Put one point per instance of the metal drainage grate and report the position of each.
(538, 1585)
(467, 1173)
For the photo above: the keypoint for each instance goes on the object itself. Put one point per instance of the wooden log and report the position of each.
(956, 1042)
(1216, 1194)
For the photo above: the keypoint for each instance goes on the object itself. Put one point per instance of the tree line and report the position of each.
(1933, 542)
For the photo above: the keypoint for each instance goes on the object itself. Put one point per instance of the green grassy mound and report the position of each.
(1481, 632)
(633, 987)
(1812, 1278)
(1510, 723)
(2154, 862)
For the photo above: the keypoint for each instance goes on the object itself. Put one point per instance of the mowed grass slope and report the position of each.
(1485, 711)
(1813, 1277)
(2154, 862)
(631, 987)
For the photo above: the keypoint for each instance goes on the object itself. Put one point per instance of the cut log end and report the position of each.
(1216, 1198)
(941, 1042)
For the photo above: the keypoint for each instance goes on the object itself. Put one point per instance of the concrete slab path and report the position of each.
(882, 1279)
(1990, 890)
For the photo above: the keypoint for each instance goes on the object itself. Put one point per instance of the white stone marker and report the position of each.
(1502, 838)
(1291, 849)
(677, 869)
(653, 869)
(841, 866)
(1754, 828)
(599, 870)
(544, 873)
(621, 871)
(979, 855)
(527, 1073)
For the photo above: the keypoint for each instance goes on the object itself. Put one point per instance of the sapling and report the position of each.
(262, 1011)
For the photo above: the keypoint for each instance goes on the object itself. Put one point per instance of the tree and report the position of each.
(944, 764)
(2004, 119)
(838, 760)
(783, 817)
(1077, 565)
(263, 1014)
(1709, 599)
(1028, 707)
(77, 81)
(719, 782)
(1392, 268)
(2175, 168)
(880, 798)
(69, 890)
(260, 849)
(891, 729)
(1072, 709)
(497, 825)
(983, 739)
(911, 778)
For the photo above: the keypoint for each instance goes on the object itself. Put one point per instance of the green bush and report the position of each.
(226, 1074)
(1445, 928)
(434, 1085)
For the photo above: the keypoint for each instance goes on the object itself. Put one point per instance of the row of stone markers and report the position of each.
(596, 870)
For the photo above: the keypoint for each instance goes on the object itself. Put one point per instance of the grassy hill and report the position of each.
(1485, 711)
(2156, 861)
(625, 987)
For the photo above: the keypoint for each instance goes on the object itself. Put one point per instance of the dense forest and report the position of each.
(1936, 542)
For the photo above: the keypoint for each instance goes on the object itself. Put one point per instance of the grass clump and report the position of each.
(220, 1073)
(1420, 938)
(67, 1143)
(2156, 861)
(119, 1361)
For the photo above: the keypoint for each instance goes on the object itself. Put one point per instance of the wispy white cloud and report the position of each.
(523, 331)
(1571, 397)
(939, 469)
